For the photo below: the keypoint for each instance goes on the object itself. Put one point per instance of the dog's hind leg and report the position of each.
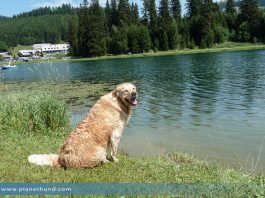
(102, 154)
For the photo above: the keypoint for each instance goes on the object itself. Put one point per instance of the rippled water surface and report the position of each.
(210, 105)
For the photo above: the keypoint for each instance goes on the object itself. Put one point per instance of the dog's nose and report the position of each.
(134, 94)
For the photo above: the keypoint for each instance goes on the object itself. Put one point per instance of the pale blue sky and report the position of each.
(13, 7)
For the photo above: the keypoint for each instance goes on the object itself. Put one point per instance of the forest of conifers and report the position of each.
(121, 27)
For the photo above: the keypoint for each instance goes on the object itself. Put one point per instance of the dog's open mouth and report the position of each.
(132, 101)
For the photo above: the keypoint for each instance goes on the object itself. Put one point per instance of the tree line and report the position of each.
(118, 28)
(121, 27)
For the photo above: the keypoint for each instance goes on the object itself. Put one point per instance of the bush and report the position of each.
(33, 114)
(221, 34)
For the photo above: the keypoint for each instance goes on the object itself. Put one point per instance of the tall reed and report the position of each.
(33, 113)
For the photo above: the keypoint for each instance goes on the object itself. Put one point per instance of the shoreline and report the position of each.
(236, 47)
(174, 53)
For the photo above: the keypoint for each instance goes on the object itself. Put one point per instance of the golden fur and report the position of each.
(86, 146)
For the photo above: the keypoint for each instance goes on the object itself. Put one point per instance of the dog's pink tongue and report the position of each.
(134, 102)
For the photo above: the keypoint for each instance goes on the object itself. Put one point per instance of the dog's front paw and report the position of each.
(115, 159)
(105, 161)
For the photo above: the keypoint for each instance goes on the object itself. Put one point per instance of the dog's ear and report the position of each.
(115, 93)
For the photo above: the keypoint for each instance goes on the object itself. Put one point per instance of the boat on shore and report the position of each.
(9, 66)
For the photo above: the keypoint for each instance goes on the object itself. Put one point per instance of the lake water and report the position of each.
(209, 105)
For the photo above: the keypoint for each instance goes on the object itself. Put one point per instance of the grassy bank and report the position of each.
(38, 123)
(224, 47)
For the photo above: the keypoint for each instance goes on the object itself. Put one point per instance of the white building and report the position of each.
(27, 53)
(47, 48)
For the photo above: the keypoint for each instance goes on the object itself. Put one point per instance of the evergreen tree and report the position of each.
(184, 34)
(168, 27)
(193, 7)
(176, 9)
(119, 42)
(249, 10)
(96, 34)
(83, 29)
(163, 39)
(153, 14)
(249, 19)
(230, 7)
(145, 12)
(208, 21)
(134, 14)
(108, 15)
(124, 13)
(73, 41)
(164, 12)
(153, 24)
(138, 39)
(144, 39)
(172, 35)
(230, 15)
(114, 12)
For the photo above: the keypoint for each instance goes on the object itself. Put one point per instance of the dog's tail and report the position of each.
(44, 160)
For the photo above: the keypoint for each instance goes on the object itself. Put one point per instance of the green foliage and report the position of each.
(3, 46)
(250, 21)
(243, 32)
(114, 12)
(220, 34)
(96, 30)
(119, 42)
(108, 14)
(135, 19)
(172, 35)
(176, 9)
(164, 12)
(42, 25)
(230, 8)
(138, 39)
(124, 13)
(30, 30)
(163, 40)
(194, 7)
(33, 113)
(73, 36)
(83, 16)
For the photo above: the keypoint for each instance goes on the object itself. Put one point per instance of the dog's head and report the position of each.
(127, 93)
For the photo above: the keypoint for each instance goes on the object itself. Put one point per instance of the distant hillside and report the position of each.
(42, 25)
(64, 9)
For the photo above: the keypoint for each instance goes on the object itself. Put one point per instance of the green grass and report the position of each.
(18, 115)
(33, 114)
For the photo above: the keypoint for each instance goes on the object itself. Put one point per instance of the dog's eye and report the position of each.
(126, 90)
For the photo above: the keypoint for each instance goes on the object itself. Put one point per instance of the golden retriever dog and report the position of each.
(87, 145)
